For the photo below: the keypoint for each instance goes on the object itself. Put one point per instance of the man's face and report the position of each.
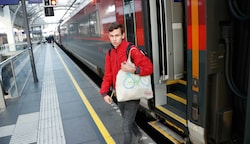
(116, 37)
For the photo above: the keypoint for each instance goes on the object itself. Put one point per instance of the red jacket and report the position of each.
(113, 61)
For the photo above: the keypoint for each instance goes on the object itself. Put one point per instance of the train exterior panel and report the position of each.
(195, 58)
(86, 33)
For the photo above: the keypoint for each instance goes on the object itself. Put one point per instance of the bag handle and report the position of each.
(129, 57)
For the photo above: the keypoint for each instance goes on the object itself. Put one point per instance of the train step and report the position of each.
(177, 87)
(167, 132)
(177, 98)
(170, 82)
(174, 113)
(177, 102)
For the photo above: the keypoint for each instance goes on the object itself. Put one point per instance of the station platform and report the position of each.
(63, 107)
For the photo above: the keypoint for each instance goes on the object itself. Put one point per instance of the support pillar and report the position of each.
(27, 30)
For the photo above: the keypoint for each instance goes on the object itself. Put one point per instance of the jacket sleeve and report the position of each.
(107, 78)
(143, 64)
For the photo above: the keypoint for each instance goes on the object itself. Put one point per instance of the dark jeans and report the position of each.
(128, 110)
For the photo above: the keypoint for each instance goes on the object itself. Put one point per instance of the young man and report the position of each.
(116, 60)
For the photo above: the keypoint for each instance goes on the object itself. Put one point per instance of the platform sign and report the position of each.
(49, 11)
(35, 1)
(9, 2)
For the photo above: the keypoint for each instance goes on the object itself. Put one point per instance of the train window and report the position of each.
(129, 20)
(73, 29)
(94, 29)
(89, 25)
(63, 30)
(83, 27)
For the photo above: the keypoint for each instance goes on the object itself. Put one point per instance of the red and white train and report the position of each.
(200, 50)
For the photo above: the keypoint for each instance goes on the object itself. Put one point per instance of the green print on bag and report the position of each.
(132, 80)
(130, 86)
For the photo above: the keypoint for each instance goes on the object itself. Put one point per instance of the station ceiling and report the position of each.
(36, 15)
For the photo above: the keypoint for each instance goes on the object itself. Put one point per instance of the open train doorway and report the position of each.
(168, 51)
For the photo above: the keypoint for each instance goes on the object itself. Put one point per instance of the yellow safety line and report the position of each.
(177, 98)
(92, 112)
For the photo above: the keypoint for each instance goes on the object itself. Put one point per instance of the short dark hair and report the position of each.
(116, 25)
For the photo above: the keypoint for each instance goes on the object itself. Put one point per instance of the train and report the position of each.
(200, 51)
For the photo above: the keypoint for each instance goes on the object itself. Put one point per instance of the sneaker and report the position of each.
(140, 138)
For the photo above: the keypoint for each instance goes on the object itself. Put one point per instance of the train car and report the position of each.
(200, 51)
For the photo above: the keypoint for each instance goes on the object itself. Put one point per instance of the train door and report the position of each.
(167, 36)
(135, 30)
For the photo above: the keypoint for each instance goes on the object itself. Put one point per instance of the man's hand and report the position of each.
(108, 99)
(127, 68)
